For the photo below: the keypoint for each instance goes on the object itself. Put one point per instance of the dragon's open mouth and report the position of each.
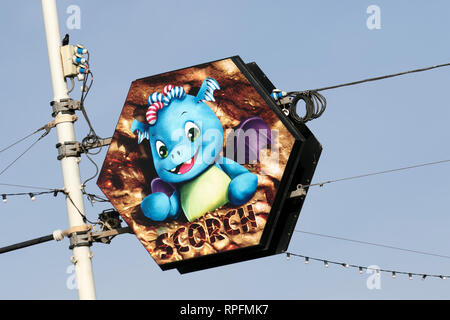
(184, 167)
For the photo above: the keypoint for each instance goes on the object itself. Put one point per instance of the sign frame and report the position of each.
(284, 211)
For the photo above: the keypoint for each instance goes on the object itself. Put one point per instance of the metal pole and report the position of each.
(71, 172)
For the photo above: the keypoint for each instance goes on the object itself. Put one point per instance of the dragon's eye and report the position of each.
(191, 130)
(162, 150)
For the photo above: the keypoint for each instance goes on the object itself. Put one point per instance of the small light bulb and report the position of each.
(288, 256)
(393, 274)
(443, 277)
(410, 276)
(360, 270)
(424, 276)
(4, 198)
(345, 265)
(32, 197)
(378, 272)
(326, 264)
(306, 260)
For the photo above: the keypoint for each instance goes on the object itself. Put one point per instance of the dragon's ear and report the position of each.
(207, 90)
(142, 130)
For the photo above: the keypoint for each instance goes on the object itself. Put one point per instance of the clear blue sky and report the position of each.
(300, 45)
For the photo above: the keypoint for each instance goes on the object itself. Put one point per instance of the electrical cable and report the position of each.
(381, 77)
(93, 162)
(83, 216)
(25, 186)
(23, 153)
(92, 137)
(94, 198)
(72, 85)
(373, 244)
(84, 94)
(375, 173)
(22, 139)
(315, 103)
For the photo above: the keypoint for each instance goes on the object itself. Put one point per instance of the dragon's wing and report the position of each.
(158, 185)
(250, 136)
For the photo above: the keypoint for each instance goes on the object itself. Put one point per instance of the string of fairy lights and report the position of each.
(361, 268)
(31, 195)
(93, 198)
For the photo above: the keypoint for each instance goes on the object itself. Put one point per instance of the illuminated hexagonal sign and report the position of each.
(202, 163)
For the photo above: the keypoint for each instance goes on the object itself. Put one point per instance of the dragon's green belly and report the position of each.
(205, 193)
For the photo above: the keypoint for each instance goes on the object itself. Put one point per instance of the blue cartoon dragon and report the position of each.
(186, 139)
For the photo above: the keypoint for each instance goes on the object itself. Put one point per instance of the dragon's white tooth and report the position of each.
(189, 161)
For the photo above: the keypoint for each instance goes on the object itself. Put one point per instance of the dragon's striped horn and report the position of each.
(151, 112)
(167, 89)
(157, 101)
(154, 97)
(173, 93)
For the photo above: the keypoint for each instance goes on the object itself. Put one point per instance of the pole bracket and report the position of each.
(80, 239)
(86, 238)
(69, 149)
(74, 148)
(65, 106)
(107, 235)
(59, 119)
(299, 192)
(99, 143)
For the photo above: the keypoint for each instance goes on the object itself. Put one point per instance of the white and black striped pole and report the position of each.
(71, 173)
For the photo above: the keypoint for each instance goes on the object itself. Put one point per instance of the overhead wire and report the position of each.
(25, 186)
(372, 244)
(23, 153)
(322, 183)
(381, 77)
(20, 140)
(46, 127)
(316, 103)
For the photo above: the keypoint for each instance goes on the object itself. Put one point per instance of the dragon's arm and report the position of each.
(230, 167)
(158, 206)
(174, 205)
